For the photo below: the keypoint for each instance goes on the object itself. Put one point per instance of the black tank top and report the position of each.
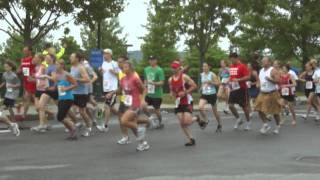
(309, 77)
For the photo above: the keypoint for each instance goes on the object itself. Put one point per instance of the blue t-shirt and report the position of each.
(66, 95)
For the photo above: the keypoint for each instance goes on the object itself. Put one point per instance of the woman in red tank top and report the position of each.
(287, 84)
(182, 96)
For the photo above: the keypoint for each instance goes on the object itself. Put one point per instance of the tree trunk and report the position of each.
(27, 29)
(99, 35)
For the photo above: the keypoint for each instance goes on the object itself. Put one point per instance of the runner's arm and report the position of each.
(84, 76)
(302, 76)
(73, 82)
(193, 85)
(275, 77)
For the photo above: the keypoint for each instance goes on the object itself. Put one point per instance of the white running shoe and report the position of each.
(39, 128)
(304, 116)
(66, 130)
(248, 126)
(101, 128)
(239, 122)
(276, 130)
(265, 128)
(86, 132)
(124, 141)
(15, 129)
(144, 146)
(141, 133)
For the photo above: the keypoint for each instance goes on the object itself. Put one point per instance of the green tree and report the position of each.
(93, 13)
(32, 19)
(204, 22)
(71, 43)
(111, 31)
(213, 57)
(162, 34)
(291, 29)
(12, 49)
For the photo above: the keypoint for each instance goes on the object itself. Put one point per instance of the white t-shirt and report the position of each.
(110, 80)
(315, 77)
(293, 74)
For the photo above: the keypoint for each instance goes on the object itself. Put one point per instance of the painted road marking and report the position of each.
(33, 167)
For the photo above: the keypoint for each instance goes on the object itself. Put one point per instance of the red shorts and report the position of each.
(29, 87)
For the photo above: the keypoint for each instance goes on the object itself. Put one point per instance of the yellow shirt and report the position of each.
(58, 55)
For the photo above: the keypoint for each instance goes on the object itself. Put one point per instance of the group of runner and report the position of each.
(45, 78)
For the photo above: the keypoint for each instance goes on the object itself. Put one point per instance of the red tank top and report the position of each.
(178, 85)
(286, 80)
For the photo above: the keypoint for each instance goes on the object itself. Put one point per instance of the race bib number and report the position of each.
(309, 85)
(128, 100)
(285, 91)
(249, 84)
(61, 93)
(26, 71)
(177, 102)
(151, 88)
(235, 85)
(224, 80)
(10, 89)
(206, 89)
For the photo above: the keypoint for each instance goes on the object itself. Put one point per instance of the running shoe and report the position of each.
(219, 128)
(248, 126)
(141, 133)
(226, 111)
(15, 129)
(265, 128)
(124, 141)
(191, 143)
(159, 126)
(276, 130)
(73, 135)
(86, 132)
(238, 123)
(143, 146)
(103, 128)
(40, 128)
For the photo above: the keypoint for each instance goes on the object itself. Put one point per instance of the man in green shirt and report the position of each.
(154, 81)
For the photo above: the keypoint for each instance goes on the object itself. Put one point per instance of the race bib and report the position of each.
(318, 89)
(235, 85)
(151, 88)
(206, 89)
(26, 71)
(285, 91)
(249, 84)
(61, 93)
(105, 84)
(128, 100)
(10, 89)
(309, 85)
(177, 102)
(224, 80)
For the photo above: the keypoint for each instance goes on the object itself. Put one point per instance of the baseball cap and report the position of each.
(152, 58)
(107, 51)
(175, 65)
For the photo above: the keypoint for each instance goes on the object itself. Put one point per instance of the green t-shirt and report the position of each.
(155, 75)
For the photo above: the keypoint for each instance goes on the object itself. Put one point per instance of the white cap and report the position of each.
(107, 51)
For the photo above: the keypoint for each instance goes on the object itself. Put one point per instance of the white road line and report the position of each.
(5, 131)
(239, 177)
(33, 167)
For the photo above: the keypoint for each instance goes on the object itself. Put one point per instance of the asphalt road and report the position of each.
(232, 155)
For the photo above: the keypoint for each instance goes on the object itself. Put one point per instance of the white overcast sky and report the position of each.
(131, 19)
